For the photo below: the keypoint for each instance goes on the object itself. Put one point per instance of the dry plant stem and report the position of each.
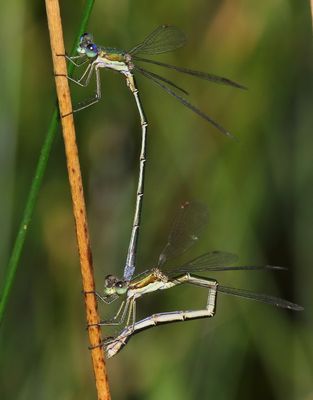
(311, 2)
(65, 106)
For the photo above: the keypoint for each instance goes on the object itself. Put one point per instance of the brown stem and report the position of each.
(79, 209)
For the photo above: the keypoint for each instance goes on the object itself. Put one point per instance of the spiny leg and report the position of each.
(132, 314)
(88, 70)
(97, 96)
(88, 73)
(121, 339)
(131, 304)
(108, 339)
(106, 300)
(114, 320)
(73, 58)
(126, 305)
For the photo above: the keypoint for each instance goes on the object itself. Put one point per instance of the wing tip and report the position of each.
(296, 307)
(230, 135)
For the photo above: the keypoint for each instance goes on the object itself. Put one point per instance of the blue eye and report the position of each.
(91, 50)
(86, 46)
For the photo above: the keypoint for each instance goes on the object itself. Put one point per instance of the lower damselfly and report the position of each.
(164, 39)
(188, 226)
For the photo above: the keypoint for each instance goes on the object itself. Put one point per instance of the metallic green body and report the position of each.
(112, 54)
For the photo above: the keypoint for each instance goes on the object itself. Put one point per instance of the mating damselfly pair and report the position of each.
(191, 217)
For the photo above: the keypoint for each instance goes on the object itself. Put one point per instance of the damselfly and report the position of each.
(188, 225)
(163, 39)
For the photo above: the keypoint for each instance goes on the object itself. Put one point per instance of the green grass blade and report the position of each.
(36, 183)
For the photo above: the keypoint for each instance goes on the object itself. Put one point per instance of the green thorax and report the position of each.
(112, 54)
(148, 278)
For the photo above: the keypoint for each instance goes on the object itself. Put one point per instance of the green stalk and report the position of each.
(36, 183)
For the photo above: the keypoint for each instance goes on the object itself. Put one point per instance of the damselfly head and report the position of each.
(87, 46)
(113, 285)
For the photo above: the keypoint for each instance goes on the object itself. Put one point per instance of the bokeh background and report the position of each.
(258, 190)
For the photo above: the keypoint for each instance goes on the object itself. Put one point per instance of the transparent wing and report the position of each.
(218, 261)
(163, 39)
(263, 298)
(188, 225)
(161, 78)
(183, 101)
(198, 74)
(212, 261)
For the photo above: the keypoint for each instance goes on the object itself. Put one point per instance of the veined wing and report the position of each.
(163, 39)
(186, 103)
(218, 261)
(263, 298)
(189, 223)
(211, 261)
(165, 80)
(198, 74)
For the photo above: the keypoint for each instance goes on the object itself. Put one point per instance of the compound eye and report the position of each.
(109, 285)
(91, 50)
(121, 287)
(110, 281)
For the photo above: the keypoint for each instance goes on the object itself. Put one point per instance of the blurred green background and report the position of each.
(258, 190)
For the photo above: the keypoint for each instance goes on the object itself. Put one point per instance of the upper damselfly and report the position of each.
(164, 39)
